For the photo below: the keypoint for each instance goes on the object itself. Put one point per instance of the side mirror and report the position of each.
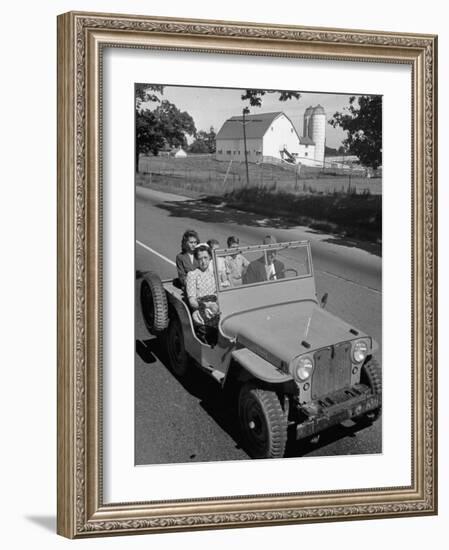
(324, 300)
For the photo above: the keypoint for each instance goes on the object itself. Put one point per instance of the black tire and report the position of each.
(263, 422)
(154, 305)
(178, 358)
(371, 375)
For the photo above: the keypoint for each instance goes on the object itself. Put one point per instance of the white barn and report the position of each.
(267, 135)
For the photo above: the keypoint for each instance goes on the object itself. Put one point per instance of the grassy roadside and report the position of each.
(346, 214)
(342, 213)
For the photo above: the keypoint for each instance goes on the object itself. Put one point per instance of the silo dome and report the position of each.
(319, 110)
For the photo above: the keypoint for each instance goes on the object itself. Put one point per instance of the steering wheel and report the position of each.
(291, 269)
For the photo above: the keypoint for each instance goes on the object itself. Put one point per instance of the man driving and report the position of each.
(265, 268)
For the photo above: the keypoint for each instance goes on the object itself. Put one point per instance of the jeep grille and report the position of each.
(332, 369)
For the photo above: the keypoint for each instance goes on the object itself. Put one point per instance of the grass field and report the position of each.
(326, 201)
(204, 174)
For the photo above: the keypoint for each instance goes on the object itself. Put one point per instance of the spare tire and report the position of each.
(153, 301)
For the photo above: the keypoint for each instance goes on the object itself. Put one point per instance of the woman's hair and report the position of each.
(202, 248)
(233, 240)
(211, 242)
(187, 234)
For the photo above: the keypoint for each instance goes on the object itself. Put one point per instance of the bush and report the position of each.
(348, 212)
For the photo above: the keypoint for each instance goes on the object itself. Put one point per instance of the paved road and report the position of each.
(184, 423)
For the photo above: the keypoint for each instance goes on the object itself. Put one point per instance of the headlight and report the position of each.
(302, 368)
(359, 351)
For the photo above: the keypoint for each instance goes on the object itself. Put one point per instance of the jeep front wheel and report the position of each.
(263, 422)
(371, 375)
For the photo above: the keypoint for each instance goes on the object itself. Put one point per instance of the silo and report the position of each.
(317, 127)
(306, 127)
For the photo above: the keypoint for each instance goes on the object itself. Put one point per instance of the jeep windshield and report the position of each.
(261, 264)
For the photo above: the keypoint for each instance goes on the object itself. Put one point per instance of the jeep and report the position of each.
(294, 368)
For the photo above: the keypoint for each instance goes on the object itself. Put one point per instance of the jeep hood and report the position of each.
(285, 331)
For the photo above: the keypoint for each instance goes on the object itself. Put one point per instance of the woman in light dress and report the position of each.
(202, 296)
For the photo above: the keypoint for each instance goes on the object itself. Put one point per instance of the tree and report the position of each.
(146, 139)
(330, 151)
(205, 142)
(362, 120)
(149, 139)
(146, 93)
(211, 140)
(255, 96)
(174, 124)
(164, 125)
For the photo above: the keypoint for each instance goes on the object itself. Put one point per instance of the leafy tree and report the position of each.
(362, 120)
(330, 151)
(205, 142)
(146, 93)
(149, 139)
(212, 140)
(165, 124)
(174, 124)
(146, 139)
(255, 96)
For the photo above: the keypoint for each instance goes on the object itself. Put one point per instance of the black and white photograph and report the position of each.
(258, 309)
(230, 213)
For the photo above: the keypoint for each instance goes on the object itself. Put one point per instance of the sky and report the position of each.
(213, 106)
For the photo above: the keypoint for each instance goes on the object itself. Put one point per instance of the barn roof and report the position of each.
(256, 126)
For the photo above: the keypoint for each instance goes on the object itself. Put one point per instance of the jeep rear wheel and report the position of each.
(263, 422)
(371, 376)
(153, 301)
(177, 355)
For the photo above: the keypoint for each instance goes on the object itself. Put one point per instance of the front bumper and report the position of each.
(334, 408)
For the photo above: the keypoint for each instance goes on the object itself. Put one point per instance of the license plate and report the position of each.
(370, 403)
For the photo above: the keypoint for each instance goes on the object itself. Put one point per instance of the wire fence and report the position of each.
(205, 174)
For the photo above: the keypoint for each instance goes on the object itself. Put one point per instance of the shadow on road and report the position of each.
(223, 410)
(201, 386)
(211, 212)
(309, 446)
(208, 211)
(144, 352)
(372, 248)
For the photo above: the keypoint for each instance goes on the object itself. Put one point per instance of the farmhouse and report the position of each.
(271, 136)
(178, 153)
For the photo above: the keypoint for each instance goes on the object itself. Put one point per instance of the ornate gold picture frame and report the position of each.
(82, 510)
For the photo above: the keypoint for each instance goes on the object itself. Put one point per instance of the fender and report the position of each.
(215, 360)
(259, 368)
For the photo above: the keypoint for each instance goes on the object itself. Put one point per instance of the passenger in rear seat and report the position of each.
(185, 260)
(220, 262)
